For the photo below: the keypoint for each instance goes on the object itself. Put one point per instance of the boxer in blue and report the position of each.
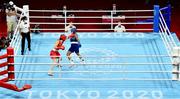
(75, 45)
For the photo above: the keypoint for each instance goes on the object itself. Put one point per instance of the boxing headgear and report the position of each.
(63, 37)
(73, 30)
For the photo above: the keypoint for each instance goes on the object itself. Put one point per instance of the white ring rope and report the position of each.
(169, 41)
(16, 33)
(169, 46)
(166, 45)
(55, 23)
(168, 30)
(93, 79)
(96, 29)
(165, 38)
(164, 8)
(18, 46)
(111, 17)
(96, 56)
(94, 71)
(97, 64)
(82, 17)
(87, 11)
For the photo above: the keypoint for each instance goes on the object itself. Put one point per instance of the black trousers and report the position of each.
(25, 36)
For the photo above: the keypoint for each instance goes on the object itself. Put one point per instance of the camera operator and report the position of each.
(11, 17)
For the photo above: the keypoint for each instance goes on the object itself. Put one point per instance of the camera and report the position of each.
(9, 6)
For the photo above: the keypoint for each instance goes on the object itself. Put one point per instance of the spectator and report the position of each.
(119, 28)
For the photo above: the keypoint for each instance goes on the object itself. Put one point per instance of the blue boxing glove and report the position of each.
(79, 44)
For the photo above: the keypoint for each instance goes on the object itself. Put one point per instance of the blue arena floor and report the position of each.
(99, 45)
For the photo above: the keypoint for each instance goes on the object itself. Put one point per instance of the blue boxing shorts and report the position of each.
(74, 48)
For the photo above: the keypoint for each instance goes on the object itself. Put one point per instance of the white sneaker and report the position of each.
(50, 73)
(59, 66)
(72, 64)
(82, 61)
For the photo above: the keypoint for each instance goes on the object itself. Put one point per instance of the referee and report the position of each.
(25, 33)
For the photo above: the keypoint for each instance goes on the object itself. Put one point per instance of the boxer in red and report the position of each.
(55, 55)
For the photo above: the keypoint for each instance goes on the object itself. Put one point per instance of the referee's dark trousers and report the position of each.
(25, 36)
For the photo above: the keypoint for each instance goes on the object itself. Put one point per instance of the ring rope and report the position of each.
(93, 79)
(95, 71)
(163, 20)
(166, 44)
(90, 11)
(165, 41)
(166, 36)
(95, 56)
(98, 29)
(16, 32)
(169, 46)
(98, 64)
(61, 17)
(18, 46)
(164, 8)
(89, 23)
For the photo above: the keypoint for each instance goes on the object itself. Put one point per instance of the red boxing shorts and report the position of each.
(54, 54)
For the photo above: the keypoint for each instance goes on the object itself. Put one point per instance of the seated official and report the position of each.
(119, 28)
(36, 29)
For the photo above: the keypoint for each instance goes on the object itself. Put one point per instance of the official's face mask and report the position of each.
(25, 22)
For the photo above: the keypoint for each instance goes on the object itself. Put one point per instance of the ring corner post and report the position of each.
(156, 18)
(26, 12)
(169, 16)
(10, 60)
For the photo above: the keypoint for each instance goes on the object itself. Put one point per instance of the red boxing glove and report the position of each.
(61, 47)
(63, 37)
(71, 35)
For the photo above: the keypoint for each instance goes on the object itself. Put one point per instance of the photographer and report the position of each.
(11, 17)
(3, 43)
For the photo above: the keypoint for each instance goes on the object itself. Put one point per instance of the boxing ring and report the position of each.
(138, 64)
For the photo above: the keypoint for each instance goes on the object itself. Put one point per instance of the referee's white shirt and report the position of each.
(120, 28)
(24, 27)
